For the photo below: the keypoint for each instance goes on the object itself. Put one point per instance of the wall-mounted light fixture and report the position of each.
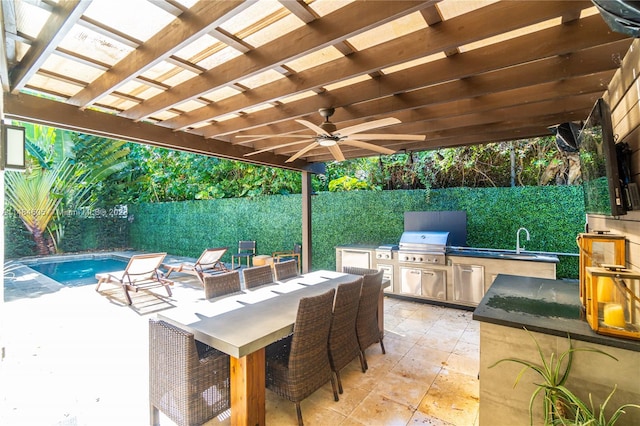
(13, 144)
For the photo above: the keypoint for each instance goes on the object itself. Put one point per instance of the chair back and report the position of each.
(355, 270)
(221, 284)
(343, 341)
(367, 320)
(143, 266)
(257, 276)
(210, 257)
(246, 247)
(286, 269)
(309, 356)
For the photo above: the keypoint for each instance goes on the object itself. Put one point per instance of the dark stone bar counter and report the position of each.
(543, 305)
(550, 310)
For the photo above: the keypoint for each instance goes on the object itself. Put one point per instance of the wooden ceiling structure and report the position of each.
(195, 75)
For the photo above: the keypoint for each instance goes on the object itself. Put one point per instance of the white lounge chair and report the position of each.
(142, 271)
(209, 262)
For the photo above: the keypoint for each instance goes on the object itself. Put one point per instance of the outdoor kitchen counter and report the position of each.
(550, 310)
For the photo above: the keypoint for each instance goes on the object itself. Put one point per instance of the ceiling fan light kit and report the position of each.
(327, 136)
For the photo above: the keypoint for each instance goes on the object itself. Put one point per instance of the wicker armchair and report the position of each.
(257, 276)
(188, 381)
(286, 269)
(343, 340)
(299, 365)
(221, 284)
(367, 322)
(355, 270)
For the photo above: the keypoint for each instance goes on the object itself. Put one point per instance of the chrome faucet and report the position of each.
(518, 248)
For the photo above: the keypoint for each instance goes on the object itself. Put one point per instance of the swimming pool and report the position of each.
(78, 272)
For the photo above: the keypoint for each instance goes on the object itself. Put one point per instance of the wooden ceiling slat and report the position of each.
(100, 28)
(542, 44)
(353, 19)
(187, 27)
(458, 31)
(60, 23)
(300, 9)
(230, 40)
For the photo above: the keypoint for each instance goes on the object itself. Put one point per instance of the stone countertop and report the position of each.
(542, 305)
(502, 254)
(357, 246)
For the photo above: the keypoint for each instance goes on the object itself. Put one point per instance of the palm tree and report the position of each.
(35, 196)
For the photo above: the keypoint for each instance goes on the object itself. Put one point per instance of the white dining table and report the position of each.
(242, 325)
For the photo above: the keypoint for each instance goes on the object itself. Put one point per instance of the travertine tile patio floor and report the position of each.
(77, 357)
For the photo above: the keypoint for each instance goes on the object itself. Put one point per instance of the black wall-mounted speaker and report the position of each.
(622, 16)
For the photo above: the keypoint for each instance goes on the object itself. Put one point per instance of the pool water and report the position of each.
(75, 273)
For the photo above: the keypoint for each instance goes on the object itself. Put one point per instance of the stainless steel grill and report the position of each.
(423, 247)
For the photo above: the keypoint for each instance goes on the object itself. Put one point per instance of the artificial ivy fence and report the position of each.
(554, 215)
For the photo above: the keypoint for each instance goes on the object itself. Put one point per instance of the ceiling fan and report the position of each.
(328, 136)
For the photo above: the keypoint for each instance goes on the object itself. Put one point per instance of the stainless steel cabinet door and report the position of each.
(411, 281)
(468, 283)
(434, 284)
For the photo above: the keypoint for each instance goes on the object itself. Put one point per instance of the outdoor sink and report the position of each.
(523, 256)
(502, 254)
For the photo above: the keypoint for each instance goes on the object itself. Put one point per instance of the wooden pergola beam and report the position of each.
(47, 112)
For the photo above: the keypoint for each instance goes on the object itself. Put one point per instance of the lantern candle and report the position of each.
(605, 289)
(614, 315)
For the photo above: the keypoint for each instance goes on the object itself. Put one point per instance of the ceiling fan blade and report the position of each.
(312, 126)
(302, 152)
(282, 145)
(389, 137)
(369, 146)
(274, 136)
(368, 125)
(336, 152)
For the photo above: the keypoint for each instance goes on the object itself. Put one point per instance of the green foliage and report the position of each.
(161, 175)
(347, 183)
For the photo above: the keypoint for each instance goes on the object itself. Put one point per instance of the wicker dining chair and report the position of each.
(221, 284)
(286, 269)
(299, 365)
(188, 380)
(257, 276)
(367, 327)
(343, 340)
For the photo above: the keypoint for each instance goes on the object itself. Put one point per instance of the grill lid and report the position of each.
(424, 241)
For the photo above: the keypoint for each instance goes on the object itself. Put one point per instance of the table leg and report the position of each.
(248, 389)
